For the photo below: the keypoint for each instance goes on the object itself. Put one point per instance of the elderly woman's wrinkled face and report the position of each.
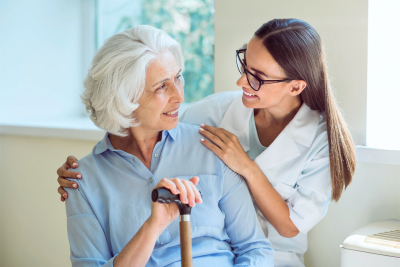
(162, 95)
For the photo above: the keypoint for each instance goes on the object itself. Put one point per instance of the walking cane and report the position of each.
(163, 195)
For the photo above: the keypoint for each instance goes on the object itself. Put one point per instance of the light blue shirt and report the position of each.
(113, 201)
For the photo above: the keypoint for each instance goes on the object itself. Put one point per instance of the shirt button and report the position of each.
(156, 155)
(150, 180)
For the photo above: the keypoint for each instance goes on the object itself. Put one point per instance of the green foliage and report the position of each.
(191, 23)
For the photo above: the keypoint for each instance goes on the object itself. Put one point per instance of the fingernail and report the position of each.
(64, 195)
(75, 185)
(202, 124)
(186, 200)
(177, 191)
(202, 139)
(192, 203)
(79, 176)
(201, 129)
(200, 200)
(74, 164)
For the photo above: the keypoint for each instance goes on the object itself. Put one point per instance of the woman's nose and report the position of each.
(242, 82)
(178, 92)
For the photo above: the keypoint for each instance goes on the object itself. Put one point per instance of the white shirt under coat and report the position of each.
(296, 164)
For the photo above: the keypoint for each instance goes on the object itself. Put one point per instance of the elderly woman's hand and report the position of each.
(63, 173)
(163, 214)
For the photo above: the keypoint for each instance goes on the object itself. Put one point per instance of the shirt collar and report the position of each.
(173, 132)
(304, 125)
(301, 129)
(105, 143)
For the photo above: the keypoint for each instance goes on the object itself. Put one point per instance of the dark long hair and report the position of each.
(298, 49)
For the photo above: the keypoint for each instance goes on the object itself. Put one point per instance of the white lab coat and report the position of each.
(296, 164)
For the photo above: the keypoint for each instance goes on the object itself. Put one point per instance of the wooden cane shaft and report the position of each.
(186, 244)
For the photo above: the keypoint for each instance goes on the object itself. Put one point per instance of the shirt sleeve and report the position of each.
(209, 110)
(88, 243)
(309, 203)
(247, 239)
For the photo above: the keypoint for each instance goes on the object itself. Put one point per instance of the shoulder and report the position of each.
(190, 133)
(320, 144)
(209, 110)
(89, 168)
(222, 98)
(189, 146)
(87, 162)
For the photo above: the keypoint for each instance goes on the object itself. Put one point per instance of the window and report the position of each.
(43, 64)
(190, 22)
(383, 120)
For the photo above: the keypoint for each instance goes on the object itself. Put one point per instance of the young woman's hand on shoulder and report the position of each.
(227, 147)
(63, 172)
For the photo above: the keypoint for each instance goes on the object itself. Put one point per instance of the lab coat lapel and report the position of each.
(301, 130)
(236, 120)
(283, 149)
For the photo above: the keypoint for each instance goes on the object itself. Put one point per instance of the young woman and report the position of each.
(283, 133)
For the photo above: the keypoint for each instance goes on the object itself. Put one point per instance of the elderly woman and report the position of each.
(133, 91)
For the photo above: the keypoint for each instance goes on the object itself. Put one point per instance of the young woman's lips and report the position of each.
(172, 113)
(248, 95)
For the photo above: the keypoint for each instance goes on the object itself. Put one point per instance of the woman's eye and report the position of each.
(161, 87)
(178, 77)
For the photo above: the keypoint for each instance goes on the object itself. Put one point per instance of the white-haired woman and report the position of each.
(133, 91)
(283, 132)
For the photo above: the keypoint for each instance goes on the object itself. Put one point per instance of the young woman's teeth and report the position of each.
(248, 94)
(171, 113)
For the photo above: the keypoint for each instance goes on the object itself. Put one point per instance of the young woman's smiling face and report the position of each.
(260, 62)
(162, 96)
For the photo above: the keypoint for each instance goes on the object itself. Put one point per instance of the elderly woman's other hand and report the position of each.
(163, 214)
(63, 172)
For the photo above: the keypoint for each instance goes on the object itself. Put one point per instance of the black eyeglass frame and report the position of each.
(260, 82)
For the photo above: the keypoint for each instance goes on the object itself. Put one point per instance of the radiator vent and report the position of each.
(386, 239)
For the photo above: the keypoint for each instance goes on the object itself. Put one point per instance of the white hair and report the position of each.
(116, 79)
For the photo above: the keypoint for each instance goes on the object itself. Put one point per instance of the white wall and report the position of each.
(33, 228)
(343, 28)
(374, 195)
(383, 123)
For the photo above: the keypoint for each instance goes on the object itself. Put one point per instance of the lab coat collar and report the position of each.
(303, 126)
(301, 129)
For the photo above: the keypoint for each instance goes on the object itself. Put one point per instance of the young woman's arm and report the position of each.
(269, 201)
(227, 147)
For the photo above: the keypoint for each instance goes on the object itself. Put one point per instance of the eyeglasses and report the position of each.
(253, 80)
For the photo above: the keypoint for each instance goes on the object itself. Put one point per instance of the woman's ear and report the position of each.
(297, 87)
